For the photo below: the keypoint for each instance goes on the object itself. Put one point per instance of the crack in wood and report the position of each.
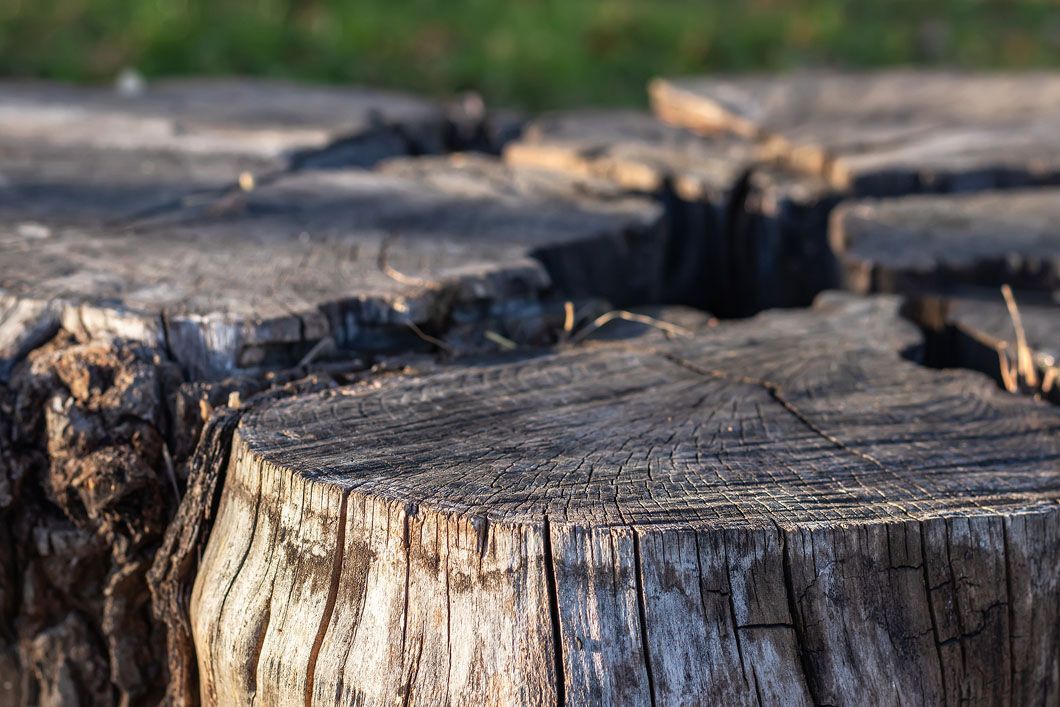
(553, 612)
(329, 604)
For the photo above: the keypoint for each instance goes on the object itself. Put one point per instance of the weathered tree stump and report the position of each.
(206, 336)
(939, 243)
(140, 270)
(747, 233)
(363, 258)
(780, 511)
(885, 133)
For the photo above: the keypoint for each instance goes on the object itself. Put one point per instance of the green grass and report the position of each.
(529, 53)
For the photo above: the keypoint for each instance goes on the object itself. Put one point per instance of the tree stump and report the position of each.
(939, 243)
(776, 511)
(748, 234)
(885, 133)
(367, 260)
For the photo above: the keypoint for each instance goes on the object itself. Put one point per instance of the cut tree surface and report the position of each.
(83, 186)
(259, 277)
(777, 511)
(942, 242)
(259, 118)
(741, 226)
(886, 132)
(80, 155)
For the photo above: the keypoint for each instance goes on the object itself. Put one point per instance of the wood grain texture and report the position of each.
(46, 185)
(747, 234)
(944, 242)
(889, 132)
(256, 278)
(777, 510)
(84, 155)
(99, 443)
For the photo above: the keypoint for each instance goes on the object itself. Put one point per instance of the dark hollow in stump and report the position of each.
(778, 511)
(747, 235)
(258, 278)
(885, 133)
(939, 243)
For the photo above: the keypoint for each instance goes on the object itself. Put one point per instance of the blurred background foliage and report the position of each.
(525, 53)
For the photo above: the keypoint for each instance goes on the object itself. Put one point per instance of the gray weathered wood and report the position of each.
(24, 325)
(83, 155)
(888, 132)
(942, 242)
(748, 235)
(623, 263)
(776, 511)
(42, 185)
(96, 444)
(258, 118)
(258, 277)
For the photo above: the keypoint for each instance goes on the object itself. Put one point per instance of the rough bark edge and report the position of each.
(175, 565)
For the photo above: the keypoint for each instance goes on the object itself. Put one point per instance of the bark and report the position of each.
(236, 466)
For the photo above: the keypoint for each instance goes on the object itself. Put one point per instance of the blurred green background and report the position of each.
(525, 53)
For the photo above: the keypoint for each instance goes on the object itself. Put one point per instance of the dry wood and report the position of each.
(781, 244)
(697, 179)
(667, 511)
(884, 133)
(782, 510)
(251, 118)
(44, 185)
(942, 242)
(96, 444)
(257, 278)
(635, 151)
(80, 155)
